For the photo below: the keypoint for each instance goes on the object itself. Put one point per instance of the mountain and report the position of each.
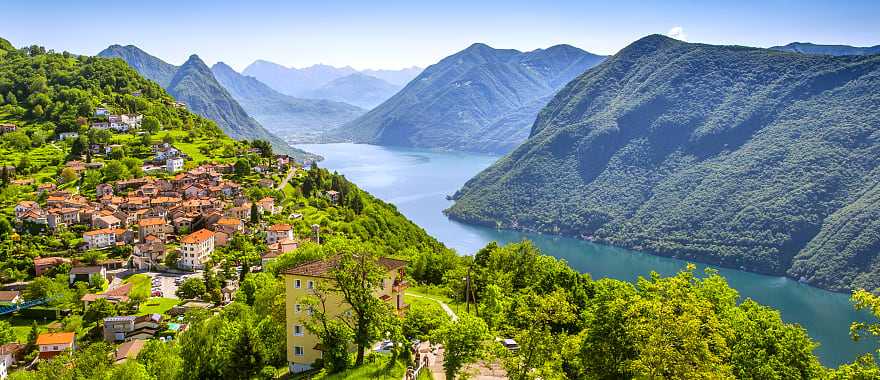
(396, 77)
(809, 48)
(358, 89)
(295, 119)
(147, 65)
(194, 84)
(293, 81)
(743, 157)
(479, 99)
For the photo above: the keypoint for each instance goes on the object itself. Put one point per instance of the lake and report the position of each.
(418, 181)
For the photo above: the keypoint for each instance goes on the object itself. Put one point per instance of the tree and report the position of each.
(98, 310)
(6, 333)
(5, 228)
(161, 360)
(114, 170)
(422, 319)
(463, 342)
(536, 316)
(242, 168)
(191, 288)
(255, 214)
(246, 358)
(151, 124)
(68, 175)
(358, 276)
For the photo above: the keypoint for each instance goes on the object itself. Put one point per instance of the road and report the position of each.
(283, 183)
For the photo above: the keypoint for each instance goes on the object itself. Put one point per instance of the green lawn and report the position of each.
(141, 286)
(431, 295)
(22, 326)
(157, 305)
(377, 370)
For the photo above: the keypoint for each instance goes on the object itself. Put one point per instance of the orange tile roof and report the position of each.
(229, 221)
(279, 227)
(99, 232)
(55, 338)
(151, 222)
(319, 268)
(197, 237)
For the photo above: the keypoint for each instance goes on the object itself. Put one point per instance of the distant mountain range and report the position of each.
(359, 89)
(295, 119)
(837, 50)
(194, 84)
(344, 84)
(479, 99)
(738, 156)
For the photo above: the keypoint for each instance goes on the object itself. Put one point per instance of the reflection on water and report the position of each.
(417, 182)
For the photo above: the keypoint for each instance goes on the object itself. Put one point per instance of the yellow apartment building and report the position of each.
(303, 347)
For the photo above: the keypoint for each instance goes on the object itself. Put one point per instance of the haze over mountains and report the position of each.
(344, 84)
(480, 99)
(194, 84)
(295, 119)
(811, 48)
(746, 157)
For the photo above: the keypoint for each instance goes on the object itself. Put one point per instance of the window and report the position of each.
(297, 308)
(296, 284)
(298, 330)
(298, 351)
(311, 284)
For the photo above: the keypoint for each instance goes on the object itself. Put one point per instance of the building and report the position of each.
(173, 165)
(86, 274)
(148, 254)
(278, 232)
(53, 344)
(10, 296)
(7, 127)
(195, 249)
(41, 265)
(68, 135)
(157, 227)
(267, 204)
(10, 353)
(125, 328)
(106, 221)
(303, 346)
(229, 226)
(97, 239)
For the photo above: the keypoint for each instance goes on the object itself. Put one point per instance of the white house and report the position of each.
(68, 135)
(279, 232)
(100, 111)
(9, 354)
(195, 249)
(102, 238)
(173, 165)
(52, 344)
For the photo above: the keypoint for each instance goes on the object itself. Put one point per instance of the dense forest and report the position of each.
(744, 157)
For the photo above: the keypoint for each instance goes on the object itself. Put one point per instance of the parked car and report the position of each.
(157, 293)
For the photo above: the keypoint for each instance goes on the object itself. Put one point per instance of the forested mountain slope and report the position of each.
(810, 48)
(479, 99)
(295, 119)
(739, 156)
(194, 84)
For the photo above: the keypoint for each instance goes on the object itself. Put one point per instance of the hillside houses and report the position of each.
(198, 209)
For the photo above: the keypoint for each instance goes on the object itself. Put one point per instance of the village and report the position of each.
(161, 229)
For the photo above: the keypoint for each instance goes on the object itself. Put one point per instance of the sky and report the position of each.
(394, 34)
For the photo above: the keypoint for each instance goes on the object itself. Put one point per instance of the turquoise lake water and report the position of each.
(418, 181)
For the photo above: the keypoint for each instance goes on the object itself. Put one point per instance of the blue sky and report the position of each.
(394, 34)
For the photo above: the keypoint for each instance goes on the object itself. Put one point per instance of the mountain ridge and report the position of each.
(836, 50)
(480, 91)
(194, 84)
(742, 157)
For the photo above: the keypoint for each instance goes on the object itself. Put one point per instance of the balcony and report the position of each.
(399, 286)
